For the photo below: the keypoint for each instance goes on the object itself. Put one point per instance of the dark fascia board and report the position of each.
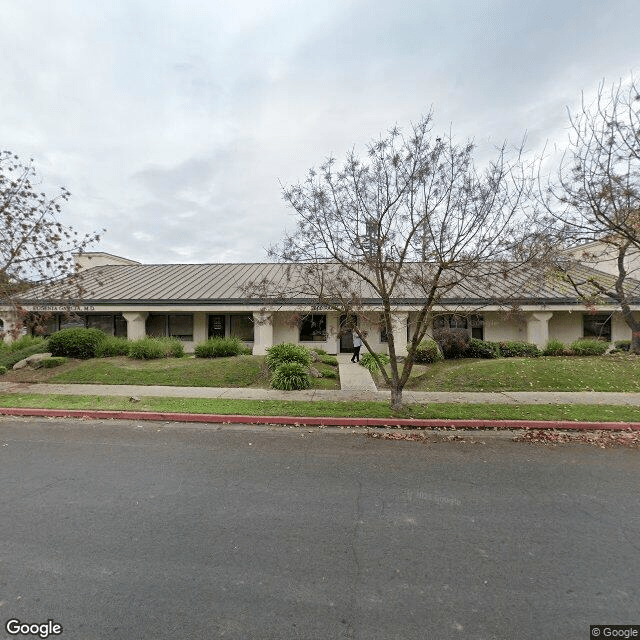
(301, 301)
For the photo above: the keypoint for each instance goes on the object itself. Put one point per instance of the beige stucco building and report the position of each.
(193, 302)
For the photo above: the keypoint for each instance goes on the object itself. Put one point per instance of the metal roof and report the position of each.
(226, 283)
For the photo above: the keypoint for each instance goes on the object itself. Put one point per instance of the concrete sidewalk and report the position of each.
(343, 395)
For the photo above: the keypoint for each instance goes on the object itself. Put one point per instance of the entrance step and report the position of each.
(353, 377)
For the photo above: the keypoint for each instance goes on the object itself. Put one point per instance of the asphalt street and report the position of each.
(126, 531)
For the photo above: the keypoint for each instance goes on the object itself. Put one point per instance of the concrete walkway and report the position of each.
(344, 395)
(353, 377)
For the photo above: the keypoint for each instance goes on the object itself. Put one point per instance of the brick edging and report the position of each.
(321, 421)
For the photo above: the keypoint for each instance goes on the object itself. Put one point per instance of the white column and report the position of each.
(199, 327)
(9, 322)
(333, 330)
(262, 333)
(136, 320)
(538, 328)
(399, 325)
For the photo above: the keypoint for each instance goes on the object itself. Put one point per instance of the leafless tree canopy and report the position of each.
(34, 245)
(596, 194)
(599, 177)
(411, 219)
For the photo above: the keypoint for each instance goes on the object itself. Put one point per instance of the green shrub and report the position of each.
(289, 376)
(330, 360)
(54, 361)
(554, 348)
(9, 358)
(76, 343)
(155, 348)
(287, 352)
(330, 374)
(3, 370)
(427, 352)
(623, 345)
(25, 342)
(453, 343)
(369, 362)
(587, 347)
(221, 348)
(112, 346)
(482, 349)
(515, 349)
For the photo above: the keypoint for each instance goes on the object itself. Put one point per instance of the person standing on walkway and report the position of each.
(357, 343)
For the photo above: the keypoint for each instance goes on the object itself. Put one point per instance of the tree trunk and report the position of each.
(635, 341)
(396, 397)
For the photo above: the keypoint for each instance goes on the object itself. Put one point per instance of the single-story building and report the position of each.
(194, 302)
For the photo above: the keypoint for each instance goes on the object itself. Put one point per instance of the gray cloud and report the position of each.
(173, 124)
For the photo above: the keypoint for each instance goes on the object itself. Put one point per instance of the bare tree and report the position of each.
(406, 224)
(35, 247)
(596, 196)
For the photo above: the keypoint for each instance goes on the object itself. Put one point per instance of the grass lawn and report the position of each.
(596, 413)
(617, 372)
(239, 371)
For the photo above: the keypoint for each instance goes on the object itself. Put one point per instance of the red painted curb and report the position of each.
(327, 422)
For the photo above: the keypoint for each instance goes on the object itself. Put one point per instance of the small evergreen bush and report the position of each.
(287, 352)
(112, 346)
(3, 370)
(330, 374)
(482, 349)
(369, 362)
(427, 352)
(290, 376)
(220, 348)
(516, 349)
(76, 343)
(330, 360)
(54, 361)
(554, 348)
(453, 343)
(587, 347)
(623, 345)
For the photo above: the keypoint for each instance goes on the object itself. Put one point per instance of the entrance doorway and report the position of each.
(217, 326)
(346, 338)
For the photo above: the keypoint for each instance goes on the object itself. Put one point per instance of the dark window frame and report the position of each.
(590, 322)
(315, 325)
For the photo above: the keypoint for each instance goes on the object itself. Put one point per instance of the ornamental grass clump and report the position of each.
(290, 376)
(369, 362)
(221, 348)
(554, 348)
(76, 343)
(287, 352)
(113, 346)
(587, 347)
(517, 349)
(155, 348)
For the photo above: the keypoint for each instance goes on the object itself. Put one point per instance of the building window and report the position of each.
(473, 325)
(241, 326)
(597, 326)
(313, 328)
(181, 326)
(173, 325)
(112, 324)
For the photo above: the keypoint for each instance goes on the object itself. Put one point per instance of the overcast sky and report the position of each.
(174, 124)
